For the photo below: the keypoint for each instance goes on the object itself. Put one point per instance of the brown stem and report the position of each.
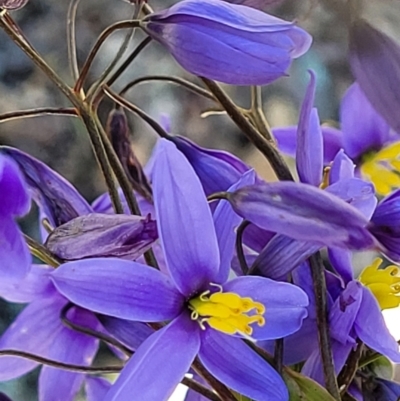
(223, 391)
(16, 115)
(61, 365)
(91, 332)
(262, 144)
(349, 370)
(176, 80)
(98, 96)
(134, 109)
(103, 36)
(71, 39)
(239, 247)
(320, 291)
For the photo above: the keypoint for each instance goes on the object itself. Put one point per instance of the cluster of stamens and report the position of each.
(383, 168)
(384, 283)
(227, 312)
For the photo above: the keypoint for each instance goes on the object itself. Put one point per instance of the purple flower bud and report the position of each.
(375, 62)
(230, 43)
(12, 4)
(103, 235)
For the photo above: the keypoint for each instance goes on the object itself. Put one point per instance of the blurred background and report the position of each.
(62, 142)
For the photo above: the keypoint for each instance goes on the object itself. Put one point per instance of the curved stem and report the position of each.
(71, 39)
(121, 51)
(103, 36)
(41, 252)
(239, 247)
(90, 332)
(98, 96)
(134, 109)
(61, 365)
(176, 80)
(269, 151)
(16, 115)
(257, 114)
(125, 185)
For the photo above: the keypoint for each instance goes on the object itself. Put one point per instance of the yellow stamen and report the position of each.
(227, 312)
(384, 283)
(325, 177)
(383, 168)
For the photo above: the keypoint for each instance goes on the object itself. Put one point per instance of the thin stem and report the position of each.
(265, 147)
(320, 291)
(91, 332)
(121, 51)
(103, 36)
(176, 80)
(84, 112)
(257, 113)
(278, 355)
(35, 57)
(220, 388)
(125, 185)
(71, 39)
(218, 196)
(101, 154)
(98, 96)
(199, 388)
(61, 365)
(134, 109)
(239, 247)
(349, 370)
(41, 252)
(16, 115)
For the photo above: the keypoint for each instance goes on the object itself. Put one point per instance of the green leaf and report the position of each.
(383, 368)
(302, 388)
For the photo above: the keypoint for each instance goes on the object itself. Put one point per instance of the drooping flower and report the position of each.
(14, 202)
(230, 43)
(78, 232)
(207, 313)
(375, 62)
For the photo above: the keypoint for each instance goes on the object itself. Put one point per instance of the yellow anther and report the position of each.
(227, 312)
(384, 283)
(325, 177)
(383, 168)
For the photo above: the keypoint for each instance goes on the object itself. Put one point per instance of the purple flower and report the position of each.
(356, 312)
(14, 201)
(208, 314)
(365, 137)
(39, 330)
(375, 62)
(230, 43)
(386, 224)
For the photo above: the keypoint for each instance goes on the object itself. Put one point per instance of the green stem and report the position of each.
(71, 39)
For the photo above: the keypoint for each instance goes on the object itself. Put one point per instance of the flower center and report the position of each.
(384, 283)
(227, 312)
(383, 168)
